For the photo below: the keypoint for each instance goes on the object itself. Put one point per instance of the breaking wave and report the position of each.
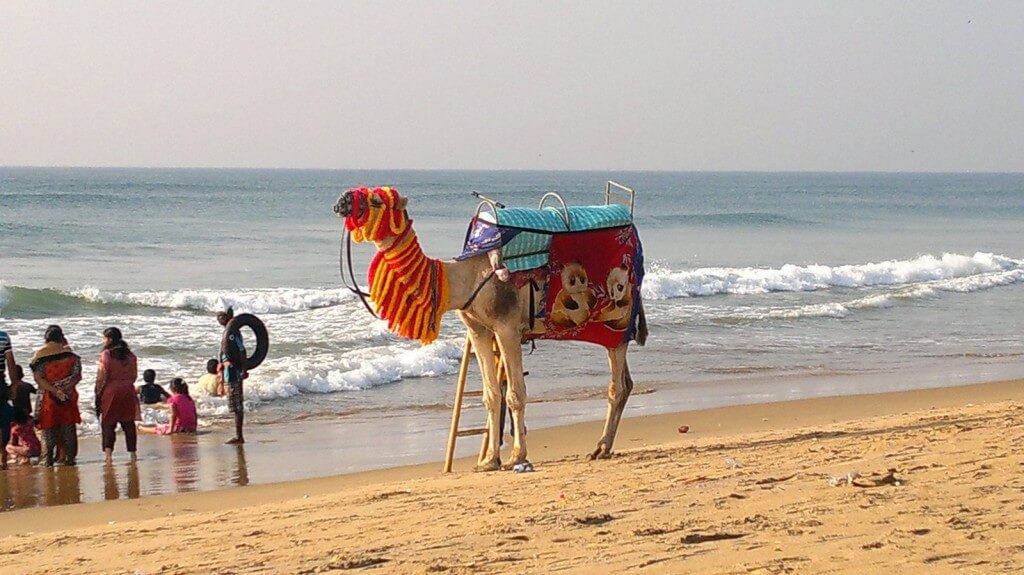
(270, 300)
(26, 301)
(950, 272)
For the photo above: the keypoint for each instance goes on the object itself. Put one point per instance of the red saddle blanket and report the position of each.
(593, 287)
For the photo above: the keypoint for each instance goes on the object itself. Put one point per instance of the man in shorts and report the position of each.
(232, 375)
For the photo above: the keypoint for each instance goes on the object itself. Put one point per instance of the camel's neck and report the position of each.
(463, 276)
(402, 251)
(409, 289)
(393, 246)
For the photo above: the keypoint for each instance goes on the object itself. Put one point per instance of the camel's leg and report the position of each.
(481, 337)
(618, 392)
(509, 342)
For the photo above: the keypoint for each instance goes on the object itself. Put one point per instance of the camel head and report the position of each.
(408, 289)
(376, 215)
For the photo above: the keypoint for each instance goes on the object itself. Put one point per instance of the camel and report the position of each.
(413, 291)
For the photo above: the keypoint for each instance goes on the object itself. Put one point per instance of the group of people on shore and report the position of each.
(57, 370)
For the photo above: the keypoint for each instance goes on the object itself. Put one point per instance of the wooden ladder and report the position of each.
(460, 393)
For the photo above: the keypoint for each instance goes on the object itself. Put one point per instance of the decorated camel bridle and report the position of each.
(408, 289)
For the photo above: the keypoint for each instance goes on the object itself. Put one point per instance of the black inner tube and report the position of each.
(262, 341)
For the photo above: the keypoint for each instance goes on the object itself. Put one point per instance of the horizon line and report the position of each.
(566, 170)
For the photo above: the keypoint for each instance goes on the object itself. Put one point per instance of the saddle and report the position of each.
(590, 256)
(524, 235)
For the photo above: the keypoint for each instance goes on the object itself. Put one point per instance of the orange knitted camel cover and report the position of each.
(408, 289)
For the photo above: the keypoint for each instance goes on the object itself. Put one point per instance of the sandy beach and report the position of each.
(927, 481)
(765, 259)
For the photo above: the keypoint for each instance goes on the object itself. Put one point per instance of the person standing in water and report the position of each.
(116, 401)
(57, 370)
(232, 375)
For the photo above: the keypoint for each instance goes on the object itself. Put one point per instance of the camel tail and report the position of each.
(641, 326)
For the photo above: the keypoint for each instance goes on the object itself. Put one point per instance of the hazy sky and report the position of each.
(770, 85)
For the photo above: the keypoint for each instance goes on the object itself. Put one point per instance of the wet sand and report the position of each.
(937, 486)
(179, 464)
(274, 453)
(362, 441)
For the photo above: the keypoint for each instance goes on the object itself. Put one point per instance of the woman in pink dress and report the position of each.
(116, 401)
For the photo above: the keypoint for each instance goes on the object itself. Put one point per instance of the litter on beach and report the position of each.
(525, 467)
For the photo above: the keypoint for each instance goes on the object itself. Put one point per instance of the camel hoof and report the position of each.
(601, 452)
(487, 467)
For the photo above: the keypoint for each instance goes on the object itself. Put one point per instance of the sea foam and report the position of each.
(361, 370)
(287, 377)
(268, 300)
(950, 272)
(953, 272)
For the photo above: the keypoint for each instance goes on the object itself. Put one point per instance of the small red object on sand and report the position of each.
(684, 428)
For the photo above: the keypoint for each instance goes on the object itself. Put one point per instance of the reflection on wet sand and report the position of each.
(241, 477)
(63, 485)
(176, 464)
(27, 486)
(202, 462)
(237, 474)
(184, 462)
(111, 486)
(19, 489)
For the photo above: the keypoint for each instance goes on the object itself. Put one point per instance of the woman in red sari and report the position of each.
(58, 370)
(116, 400)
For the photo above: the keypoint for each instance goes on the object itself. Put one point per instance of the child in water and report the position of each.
(21, 393)
(208, 381)
(183, 412)
(24, 443)
(151, 392)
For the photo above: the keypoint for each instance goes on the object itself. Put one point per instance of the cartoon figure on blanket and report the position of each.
(575, 300)
(593, 287)
(620, 293)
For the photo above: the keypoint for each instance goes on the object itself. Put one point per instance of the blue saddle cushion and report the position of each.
(524, 235)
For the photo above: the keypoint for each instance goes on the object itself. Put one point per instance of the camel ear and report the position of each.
(624, 268)
(402, 202)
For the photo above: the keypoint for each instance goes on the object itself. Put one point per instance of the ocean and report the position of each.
(759, 286)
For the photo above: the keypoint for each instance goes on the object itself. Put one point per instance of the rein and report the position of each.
(346, 249)
(476, 291)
